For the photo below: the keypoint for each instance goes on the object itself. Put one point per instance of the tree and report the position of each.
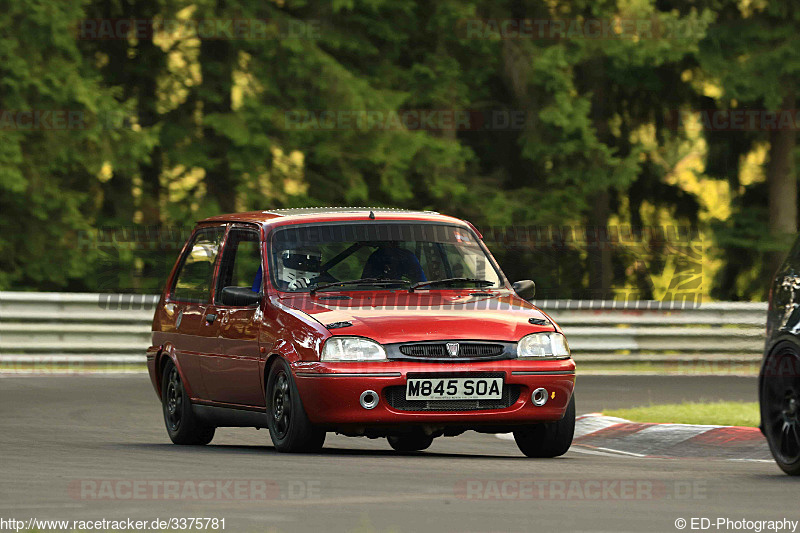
(752, 54)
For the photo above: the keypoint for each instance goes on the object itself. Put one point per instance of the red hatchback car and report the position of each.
(364, 322)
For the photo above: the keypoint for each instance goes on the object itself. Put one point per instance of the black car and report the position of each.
(779, 379)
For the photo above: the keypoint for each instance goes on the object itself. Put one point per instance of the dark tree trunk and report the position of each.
(217, 58)
(117, 192)
(600, 251)
(782, 185)
(148, 64)
(151, 62)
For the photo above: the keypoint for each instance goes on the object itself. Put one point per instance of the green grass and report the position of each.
(671, 368)
(714, 413)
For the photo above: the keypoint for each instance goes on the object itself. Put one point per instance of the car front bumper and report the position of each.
(331, 392)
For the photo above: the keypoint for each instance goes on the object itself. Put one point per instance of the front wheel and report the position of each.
(548, 439)
(780, 407)
(289, 427)
(183, 426)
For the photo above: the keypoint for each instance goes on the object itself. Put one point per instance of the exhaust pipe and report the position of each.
(369, 399)
(539, 397)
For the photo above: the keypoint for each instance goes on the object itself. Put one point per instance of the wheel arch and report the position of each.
(772, 347)
(282, 350)
(274, 356)
(167, 353)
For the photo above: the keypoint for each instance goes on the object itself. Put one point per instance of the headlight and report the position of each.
(352, 349)
(543, 345)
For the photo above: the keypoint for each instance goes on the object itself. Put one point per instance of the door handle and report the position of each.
(210, 318)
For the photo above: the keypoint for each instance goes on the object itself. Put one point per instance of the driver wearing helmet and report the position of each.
(299, 268)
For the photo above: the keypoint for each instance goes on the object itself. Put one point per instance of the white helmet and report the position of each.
(299, 268)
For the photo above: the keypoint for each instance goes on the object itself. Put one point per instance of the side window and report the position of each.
(241, 261)
(193, 281)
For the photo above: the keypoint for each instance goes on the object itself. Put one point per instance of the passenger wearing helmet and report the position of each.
(299, 268)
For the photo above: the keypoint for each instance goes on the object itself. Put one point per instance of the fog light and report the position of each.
(369, 399)
(539, 397)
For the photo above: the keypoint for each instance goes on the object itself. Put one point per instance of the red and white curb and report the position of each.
(598, 434)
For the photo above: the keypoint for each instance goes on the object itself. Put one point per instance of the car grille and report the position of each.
(466, 349)
(396, 398)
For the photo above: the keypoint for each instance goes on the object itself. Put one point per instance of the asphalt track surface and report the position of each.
(60, 434)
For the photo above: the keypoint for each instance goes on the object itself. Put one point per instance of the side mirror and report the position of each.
(239, 296)
(525, 289)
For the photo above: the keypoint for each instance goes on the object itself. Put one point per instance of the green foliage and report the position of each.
(47, 172)
(180, 127)
(752, 53)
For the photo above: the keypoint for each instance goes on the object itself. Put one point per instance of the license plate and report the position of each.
(454, 389)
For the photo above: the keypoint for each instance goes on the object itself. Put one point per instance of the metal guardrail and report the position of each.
(113, 328)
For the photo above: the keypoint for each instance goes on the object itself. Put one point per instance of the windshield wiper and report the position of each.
(477, 281)
(362, 281)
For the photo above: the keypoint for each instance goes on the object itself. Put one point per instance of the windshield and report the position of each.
(304, 257)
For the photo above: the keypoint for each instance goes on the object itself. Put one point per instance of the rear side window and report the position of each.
(193, 281)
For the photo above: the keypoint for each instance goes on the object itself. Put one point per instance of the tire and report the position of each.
(288, 423)
(183, 426)
(780, 406)
(414, 442)
(549, 439)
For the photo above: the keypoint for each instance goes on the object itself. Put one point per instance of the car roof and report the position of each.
(327, 214)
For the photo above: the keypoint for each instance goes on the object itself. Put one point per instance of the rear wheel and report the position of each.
(182, 425)
(413, 442)
(288, 424)
(780, 407)
(549, 439)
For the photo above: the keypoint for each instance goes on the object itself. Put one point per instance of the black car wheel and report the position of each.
(413, 442)
(549, 439)
(289, 427)
(182, 425)
(780, 406)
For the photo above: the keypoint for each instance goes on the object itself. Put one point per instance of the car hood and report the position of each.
(390, 317)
